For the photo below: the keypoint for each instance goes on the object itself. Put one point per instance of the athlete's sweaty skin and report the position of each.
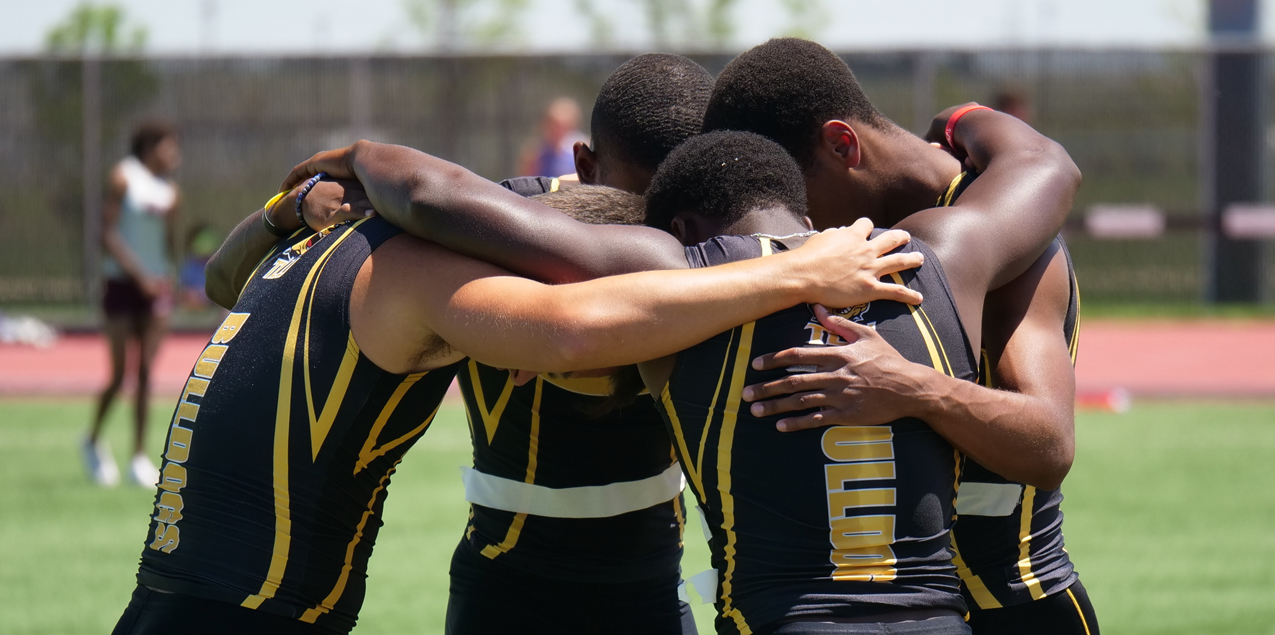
(408, 322)
(1028, 183)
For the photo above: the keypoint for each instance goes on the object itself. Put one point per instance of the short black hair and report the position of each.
(149, 134)
(596, 204)
(648, 106)
(722, 176)
(786, 89)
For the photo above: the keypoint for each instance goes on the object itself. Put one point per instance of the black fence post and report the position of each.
(1237, 98)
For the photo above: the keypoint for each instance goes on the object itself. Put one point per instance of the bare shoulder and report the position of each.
(393, 301)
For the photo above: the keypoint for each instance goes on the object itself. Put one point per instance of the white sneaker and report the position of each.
(99, 463)
(143, 471)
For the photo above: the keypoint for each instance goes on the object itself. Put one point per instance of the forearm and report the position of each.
(1014, 435)
(515, 323)
(444, 203)
(229, 269)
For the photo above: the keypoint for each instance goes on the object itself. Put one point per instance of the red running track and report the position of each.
(1198, 358)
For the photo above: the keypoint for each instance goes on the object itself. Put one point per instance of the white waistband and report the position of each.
(597, 501)
(987, 499)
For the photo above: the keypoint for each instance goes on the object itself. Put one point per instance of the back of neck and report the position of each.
(776, 221)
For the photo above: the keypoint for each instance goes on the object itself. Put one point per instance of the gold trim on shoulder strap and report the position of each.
(946, 199)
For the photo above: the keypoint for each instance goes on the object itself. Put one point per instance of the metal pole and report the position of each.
(91, 124)
(1206, 170)
(1238, 97)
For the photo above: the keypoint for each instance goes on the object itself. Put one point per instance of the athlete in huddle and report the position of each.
(1015, 574)
(575, 517)
(333, 362)
(438, 199)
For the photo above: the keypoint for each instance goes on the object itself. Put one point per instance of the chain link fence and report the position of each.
(1132, 120)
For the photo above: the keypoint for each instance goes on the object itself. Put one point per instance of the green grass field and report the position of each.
(1170, 517)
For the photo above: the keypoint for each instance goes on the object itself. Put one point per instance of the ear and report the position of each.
(840, 139)
(805, 220)
(586, 163)
(678, 229)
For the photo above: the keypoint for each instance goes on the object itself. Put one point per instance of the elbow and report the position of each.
(1056, 464)
(1067, 169)
(218, 289)
(1053, 157)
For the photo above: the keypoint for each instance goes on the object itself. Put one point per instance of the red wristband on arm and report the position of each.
(956, 116)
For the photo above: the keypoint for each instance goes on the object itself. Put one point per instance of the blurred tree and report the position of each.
(95, 29)
(450, 25)
(689, 25)
(56, 90)
(806, 18)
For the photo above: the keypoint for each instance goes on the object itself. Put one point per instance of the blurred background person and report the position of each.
(201, 242)
(139, 218)
(1013, 101)
(552, 154)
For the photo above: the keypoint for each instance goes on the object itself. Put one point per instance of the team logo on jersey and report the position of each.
(821, 336)
(290, 257)
(855, 312)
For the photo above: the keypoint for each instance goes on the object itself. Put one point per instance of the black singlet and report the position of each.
(839, 522)
(1008, 537)
(547, 433)
(283, 443)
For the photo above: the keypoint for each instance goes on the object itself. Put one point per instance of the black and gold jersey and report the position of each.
(562, 491)
(1008, 536)
(837, 522)
(531, 185)
(283, 443)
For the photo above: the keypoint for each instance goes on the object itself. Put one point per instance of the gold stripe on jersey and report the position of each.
(977, 588)
(369, 451)
(943, 350)
(380, 450)
(283, 417)
(1075, 329)
(692, 467)
(319, 431)
(338, 589)
(689, 465)
(925, 333)
(320, 427)
(1025, 544)
(946, 199)
(725, 443)
(533, 447)
(491, 418)
(1083, 622)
